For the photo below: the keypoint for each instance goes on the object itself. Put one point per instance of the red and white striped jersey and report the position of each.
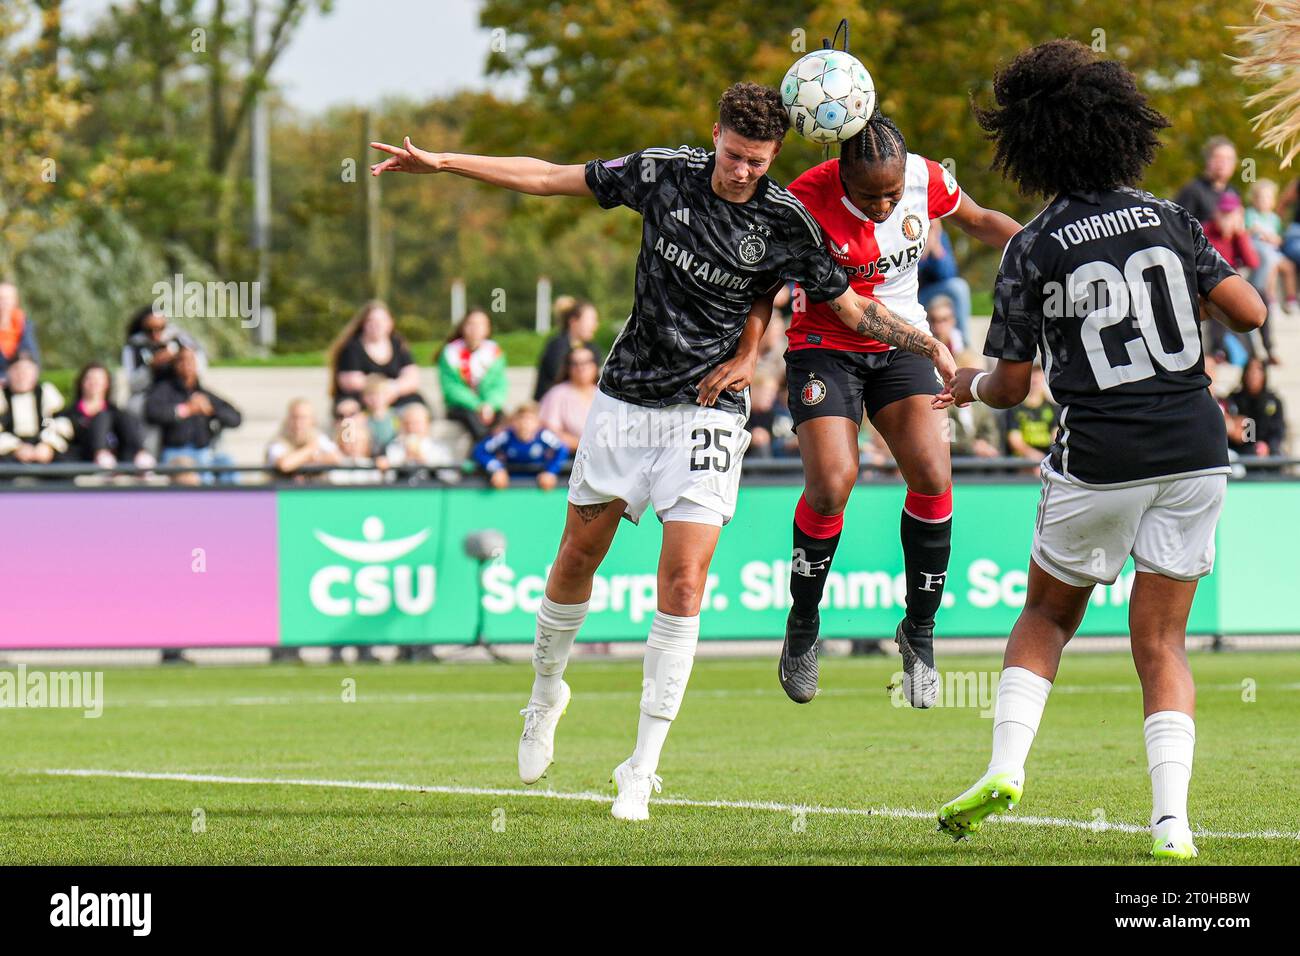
(880, 258)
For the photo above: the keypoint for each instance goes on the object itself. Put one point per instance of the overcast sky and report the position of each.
(366, 49)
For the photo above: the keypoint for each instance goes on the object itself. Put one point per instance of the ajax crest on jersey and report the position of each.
(752, 249)
(829, 95)
(814, 390)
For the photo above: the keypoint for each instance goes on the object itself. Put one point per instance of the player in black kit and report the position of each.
(667, 427)
(1107, 284)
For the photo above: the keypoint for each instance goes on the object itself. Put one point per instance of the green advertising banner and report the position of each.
(388, 566)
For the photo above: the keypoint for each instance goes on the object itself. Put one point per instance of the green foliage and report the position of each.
(81, 286)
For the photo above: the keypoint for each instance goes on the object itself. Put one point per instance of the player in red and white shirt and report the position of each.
(874, 205)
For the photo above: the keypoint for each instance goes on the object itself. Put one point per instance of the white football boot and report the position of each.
(1171, 839)
(634, 786)
(537, 743)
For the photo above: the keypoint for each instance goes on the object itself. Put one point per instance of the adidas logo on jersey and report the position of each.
(682, 215)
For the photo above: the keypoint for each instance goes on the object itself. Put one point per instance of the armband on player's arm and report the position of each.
(1004, 387)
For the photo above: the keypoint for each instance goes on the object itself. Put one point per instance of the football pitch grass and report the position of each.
(270, 765)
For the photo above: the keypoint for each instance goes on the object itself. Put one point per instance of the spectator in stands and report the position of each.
(472, 370)
(379, 415)
(1265, 228)
(769, 424)
(578, 330)
(1226, 231)
(191, 417)
(523, 447)
(1030, 425)
(771, 347)
(301, 444)
(937, 275)
(1259, 414)
(352, 436)
(31, 430)
(370, 345)
(152, 344)
(17, 333)
(943, 324)
(564, 409)
(1201, 196)
(415, 444)
(102, 432)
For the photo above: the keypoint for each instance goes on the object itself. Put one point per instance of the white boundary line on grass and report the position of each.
(593, 797)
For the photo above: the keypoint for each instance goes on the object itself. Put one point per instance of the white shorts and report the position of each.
(683, 460)
(1084, 535)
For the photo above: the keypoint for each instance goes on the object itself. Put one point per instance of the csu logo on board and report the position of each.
(387, 576)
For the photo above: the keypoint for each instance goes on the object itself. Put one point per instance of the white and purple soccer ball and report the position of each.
(829, 95)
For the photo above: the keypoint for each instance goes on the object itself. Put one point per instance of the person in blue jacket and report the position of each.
(523, 447)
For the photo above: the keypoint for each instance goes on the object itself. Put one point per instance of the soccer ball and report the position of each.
(829, 96)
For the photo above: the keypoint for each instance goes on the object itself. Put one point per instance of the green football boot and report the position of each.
(992, 793)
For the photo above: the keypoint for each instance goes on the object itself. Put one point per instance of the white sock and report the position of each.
(1171, 738)
(651, 734)
(669, 655)
(557, 626)
(1022, 695)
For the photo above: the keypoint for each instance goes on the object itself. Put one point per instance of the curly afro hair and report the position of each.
(753, 111)
(1068, 121)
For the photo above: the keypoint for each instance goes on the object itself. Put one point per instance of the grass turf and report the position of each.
(737, 739)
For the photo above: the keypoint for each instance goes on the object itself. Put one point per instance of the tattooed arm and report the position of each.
(872, 320)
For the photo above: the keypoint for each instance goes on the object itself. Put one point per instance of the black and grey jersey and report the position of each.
(703, 262)
(1106, 287)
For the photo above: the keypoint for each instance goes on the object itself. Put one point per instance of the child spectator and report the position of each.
(523, 447)
(579, 323)
(30, 431)
(17, 333)
(472, 371)
(102, 432)
(300, 443)
(565, 407)
(1265, 228)
(379, 415)
(352, 436)
(415, 445)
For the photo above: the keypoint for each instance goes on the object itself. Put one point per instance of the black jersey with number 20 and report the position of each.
(1106, 285)
(703, 262)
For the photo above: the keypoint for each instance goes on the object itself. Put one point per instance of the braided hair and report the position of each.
(880, 143)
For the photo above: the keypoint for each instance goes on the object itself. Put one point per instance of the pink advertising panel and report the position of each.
(138, 569)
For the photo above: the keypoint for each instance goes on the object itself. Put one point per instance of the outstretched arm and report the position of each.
(987, 225)
(872, 320)
(523, 174)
